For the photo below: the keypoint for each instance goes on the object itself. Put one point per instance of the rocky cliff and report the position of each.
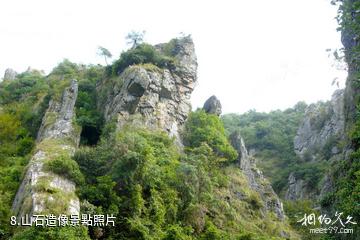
(322, 122)
(296, 189)
(42, 190)
(256, 179)
(319, 138)
(155, 97)
(254, 176)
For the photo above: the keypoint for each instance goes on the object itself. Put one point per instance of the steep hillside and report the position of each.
(300, 150)
(345, 175)
(322, 163)
(121, 140)
(296, 148)
(320, 139)
(269, 138)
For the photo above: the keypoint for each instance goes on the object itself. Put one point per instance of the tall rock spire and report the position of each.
(255, 177)
(43, 191)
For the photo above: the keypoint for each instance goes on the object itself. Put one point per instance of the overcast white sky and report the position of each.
(262, 54)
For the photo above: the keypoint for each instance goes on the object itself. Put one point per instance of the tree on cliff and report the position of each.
(135, 38)
(104, 53)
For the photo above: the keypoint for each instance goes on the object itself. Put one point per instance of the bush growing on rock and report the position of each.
(208, 128)
(143, 53)
(65, 166)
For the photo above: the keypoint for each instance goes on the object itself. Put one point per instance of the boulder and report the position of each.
(212, 106)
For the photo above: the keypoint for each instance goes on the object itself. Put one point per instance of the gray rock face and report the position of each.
(296, 189)
(212, 106)
(41, 190)
(238, 143)
(154, 97)
(323, 126)
(10, 74)
(322, 122)
(256, 178)
(327, 186)
(57, 122)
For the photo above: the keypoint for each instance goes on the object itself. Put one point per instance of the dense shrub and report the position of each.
(27, 84)
(296, 210)
(154, 191)
(141, 166)
(346, 173)
(65, 166)
(66, 69)
(208, 128)
(310, 172)
(15, 146)
(87, 114)
(143, 53)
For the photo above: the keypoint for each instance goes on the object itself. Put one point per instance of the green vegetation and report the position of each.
(27, 86)
(135, 38)
(88, 116)
(141, 54)
(271, 135)
(139, 175)
(15, 146)
(346, 173)
(311, 173)
(105, 53)
(65, 166)
(205, 128)
(23, 102)
(158, 193)
(296, 210)
(27, 98)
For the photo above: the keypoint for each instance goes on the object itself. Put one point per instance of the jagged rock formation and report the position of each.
(255, 177)
(10, 74)
(154, 97)
(212, 106)
(327, 185)
(296, 188)
(59, 117)
(318, 139)
(41, 190)
(322, 122)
